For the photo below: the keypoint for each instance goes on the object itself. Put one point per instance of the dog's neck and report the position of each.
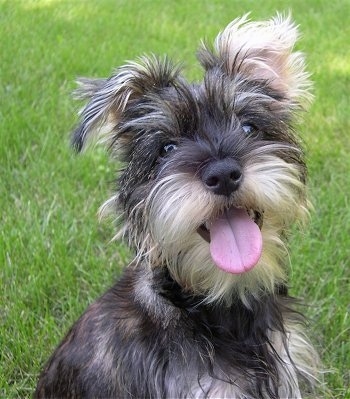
(166, 301)
(171, 290)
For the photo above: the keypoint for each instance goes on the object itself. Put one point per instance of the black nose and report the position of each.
(222, 176)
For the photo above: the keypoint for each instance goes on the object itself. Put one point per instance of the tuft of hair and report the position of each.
(245, 51)
(262, 51)
(107, 98)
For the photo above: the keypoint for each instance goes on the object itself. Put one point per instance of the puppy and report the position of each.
(213, 177)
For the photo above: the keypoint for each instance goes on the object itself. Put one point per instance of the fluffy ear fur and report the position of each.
(255, 51)
(262, 51)
(109, 98)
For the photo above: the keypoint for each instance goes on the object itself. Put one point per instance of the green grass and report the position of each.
(54, 256)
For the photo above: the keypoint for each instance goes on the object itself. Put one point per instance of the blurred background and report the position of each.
(55, 257)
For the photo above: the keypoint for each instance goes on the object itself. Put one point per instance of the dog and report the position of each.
(213, 177)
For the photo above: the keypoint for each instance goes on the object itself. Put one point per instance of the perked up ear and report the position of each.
(262, 51)
(108, 98)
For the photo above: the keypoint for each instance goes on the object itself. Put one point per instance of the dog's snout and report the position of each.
(222, 176)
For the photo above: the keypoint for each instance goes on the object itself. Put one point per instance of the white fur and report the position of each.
(264, 50)
(302, 360)
(179, 204)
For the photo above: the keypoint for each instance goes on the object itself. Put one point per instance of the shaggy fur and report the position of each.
(176, 324)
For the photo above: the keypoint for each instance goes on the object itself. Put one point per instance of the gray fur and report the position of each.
(175, 325)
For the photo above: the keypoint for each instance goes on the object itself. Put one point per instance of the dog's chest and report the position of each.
(208, 387)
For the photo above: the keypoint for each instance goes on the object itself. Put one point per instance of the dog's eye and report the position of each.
(168, 148)
(249, 129)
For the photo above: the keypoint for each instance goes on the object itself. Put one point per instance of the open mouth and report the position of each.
(234, 239)
(204, 230)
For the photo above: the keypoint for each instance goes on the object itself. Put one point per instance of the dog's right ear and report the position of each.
(109, 98)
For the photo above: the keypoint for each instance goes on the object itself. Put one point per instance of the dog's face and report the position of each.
(213, 174)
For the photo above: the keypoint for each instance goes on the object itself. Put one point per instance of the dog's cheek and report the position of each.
(176, 207)
(136, 180)
(274, 185)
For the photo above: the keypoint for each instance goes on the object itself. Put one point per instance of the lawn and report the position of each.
(55, 257)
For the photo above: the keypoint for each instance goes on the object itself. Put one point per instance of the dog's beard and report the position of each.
(178, 205)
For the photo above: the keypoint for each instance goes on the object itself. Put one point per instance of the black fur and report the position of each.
(175, 325)
(213, 337)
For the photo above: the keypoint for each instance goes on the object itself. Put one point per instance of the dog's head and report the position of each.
(213, 173)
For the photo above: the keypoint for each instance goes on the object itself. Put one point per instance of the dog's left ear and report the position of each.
(262, 51)
(109, 98)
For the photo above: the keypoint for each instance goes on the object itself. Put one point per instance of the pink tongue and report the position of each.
(235, 241)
